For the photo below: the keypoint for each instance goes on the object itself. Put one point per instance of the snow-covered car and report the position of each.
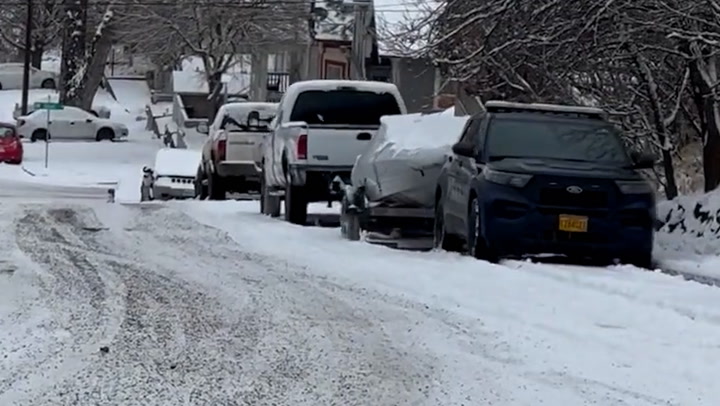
(174, 173)
(69, 123)
(11, 77)
(96, 110)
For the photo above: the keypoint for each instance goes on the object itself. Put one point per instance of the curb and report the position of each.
(688, 276)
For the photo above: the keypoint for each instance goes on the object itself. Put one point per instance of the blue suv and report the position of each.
(529, 179)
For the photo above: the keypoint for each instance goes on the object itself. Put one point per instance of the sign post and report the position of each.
(47, 106)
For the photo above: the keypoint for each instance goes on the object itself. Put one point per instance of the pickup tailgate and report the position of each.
(243, 146)
(337, 146)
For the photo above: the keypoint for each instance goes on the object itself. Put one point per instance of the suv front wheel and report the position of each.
(441, 238)
(477, 246)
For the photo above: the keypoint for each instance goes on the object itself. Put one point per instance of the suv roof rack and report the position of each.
(497, 106)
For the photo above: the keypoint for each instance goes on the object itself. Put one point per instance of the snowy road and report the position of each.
(210, 304)
(190, 319)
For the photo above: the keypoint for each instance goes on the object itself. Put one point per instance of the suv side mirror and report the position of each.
(464, 149)
(202, 128)
(643, 160)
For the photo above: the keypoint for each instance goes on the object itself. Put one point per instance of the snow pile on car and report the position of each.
(424, 138)
(177, 162)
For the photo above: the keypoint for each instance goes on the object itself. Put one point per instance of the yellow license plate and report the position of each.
(573, 224)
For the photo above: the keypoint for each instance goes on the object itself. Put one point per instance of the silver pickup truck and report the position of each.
(231, 152)
(320, 129)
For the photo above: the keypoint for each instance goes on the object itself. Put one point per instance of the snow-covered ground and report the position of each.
(689, 240)
(209, 303)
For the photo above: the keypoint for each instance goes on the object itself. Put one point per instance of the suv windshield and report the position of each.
(343, 107)
(555, 138)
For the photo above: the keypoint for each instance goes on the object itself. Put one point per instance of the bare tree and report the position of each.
(216, 31)
(47, 22)
(644, 60)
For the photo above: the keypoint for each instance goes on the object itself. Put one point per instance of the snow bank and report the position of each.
(689, 239)
(546, 334)
(694, 216)
(177, 162)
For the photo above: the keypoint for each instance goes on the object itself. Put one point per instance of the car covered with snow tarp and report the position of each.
(393, 181)
(402, 163)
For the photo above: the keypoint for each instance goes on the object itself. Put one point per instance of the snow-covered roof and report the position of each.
(177, 162)
(191, 79)
(422, 131)
(333, 20)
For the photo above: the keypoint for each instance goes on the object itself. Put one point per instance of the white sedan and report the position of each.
(11, 77)
(69, 123)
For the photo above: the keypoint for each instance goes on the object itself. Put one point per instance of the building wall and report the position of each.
(327, 60)
(416, 80)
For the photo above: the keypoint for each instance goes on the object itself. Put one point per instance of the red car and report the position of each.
(11, 149)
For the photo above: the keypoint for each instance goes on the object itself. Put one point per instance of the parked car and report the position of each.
(544, 179)
(231, 155)
(173, 176)
(11, 77)
(321, 128)
(11, 149)
(69, 123)
(96, 110)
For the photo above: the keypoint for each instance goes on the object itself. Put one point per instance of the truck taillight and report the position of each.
(302, 147)
(221, 150)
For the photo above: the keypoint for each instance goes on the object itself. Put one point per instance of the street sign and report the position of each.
(47, 106)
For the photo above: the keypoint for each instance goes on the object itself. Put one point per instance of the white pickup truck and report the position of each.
(231, 154)
(320, 129)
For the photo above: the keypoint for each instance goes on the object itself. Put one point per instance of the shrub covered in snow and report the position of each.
(692, 221)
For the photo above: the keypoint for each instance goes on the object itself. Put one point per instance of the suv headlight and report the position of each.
(634, 187)
(518, 180)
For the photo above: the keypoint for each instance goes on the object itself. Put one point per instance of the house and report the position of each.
(190, 90)
(418, 79)
(345, 46)
(341, 44)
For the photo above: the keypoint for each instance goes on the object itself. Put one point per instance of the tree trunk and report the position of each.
(99, 51)
(661, 130)
(707, 110)
(216, 96)
(36, 56)
(73, 55)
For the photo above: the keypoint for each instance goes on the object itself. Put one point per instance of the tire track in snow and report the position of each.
(204, 323)
(83, 314)
(300, 326)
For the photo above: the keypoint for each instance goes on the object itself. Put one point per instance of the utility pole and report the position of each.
(361, 38)
(26, 66)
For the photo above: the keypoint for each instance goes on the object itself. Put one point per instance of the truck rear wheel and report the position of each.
(349, 222)
(295, 203)
(216, 187)
(269, 204)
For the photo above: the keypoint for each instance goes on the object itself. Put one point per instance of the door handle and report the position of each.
(364, 136)
(72, 123)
